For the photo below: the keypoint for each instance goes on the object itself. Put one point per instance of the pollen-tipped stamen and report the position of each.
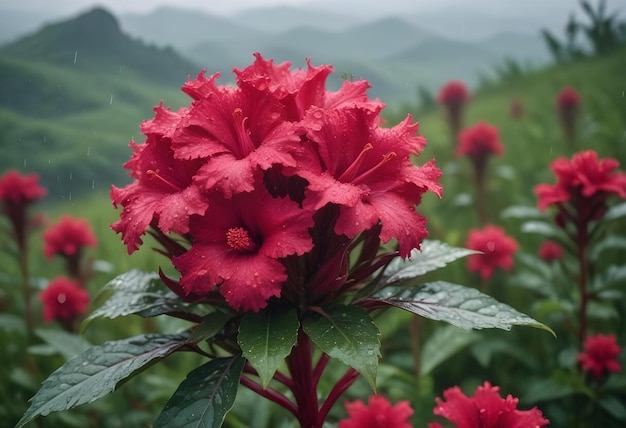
(348, 175)
(155, 175)
(386, 158)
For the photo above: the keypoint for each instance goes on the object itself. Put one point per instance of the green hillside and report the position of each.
(70, 122)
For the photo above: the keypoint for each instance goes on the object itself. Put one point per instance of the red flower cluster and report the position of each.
(486, 409)
(67, 237)
(600, 355)
(478, 142)
(63, 299)
(550, 250)
(245, 172)
(583, 186)
(498, 249)
(379, 413)
(17, 192)
(453, 93)
(568, 98)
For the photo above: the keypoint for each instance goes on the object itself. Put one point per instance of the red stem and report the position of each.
(339, 388)
(319, 368)
(300, 366)
(584, 297)
(23, 261)
(271, 394)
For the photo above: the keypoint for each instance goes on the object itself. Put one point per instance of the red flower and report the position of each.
(298, 90)
(63, 299)
(246, 134)
(163, 190)
(498, 249)
(585, 182)
(370, 174)
(479, 142)
(486, 409)
(568, 98)
(600, 355)
(67, 237)
(453, 93)
(18, 189)
(238, 245)
(550, 250)
(379, 413)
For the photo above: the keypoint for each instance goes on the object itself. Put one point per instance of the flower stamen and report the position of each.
(244, 144)
(239, 239)
(386, 158)
(348, 175)
(155, 175)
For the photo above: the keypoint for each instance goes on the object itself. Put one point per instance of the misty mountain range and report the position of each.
(395, 53)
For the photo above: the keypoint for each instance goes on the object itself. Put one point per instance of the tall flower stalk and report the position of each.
(584, 185)
(18, 192)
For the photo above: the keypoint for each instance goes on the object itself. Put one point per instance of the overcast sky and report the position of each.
(58, 7)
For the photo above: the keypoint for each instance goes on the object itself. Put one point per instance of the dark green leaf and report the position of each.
(211, 325)
(67, 344)
(433, 255)
(443, 344)
(614, 405)
(521, 211)
(266, 338)
(612, 242)
(615, 212)
(204, 397)
(137, 292)
(96, 372)
(463, 307)
(348, 334)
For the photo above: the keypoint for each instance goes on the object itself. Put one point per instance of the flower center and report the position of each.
(244, 143)
(61, 298)
(156, 176)
(239, 239)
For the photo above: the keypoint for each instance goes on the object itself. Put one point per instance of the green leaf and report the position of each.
(611, 242)
(67, 344)
(544, 229)
(137, 292)
(204, 397)
(615, 212)
(521, 211)
(443, 344)
(348, 334)
(463, 307)
(433, 255)
(211, 325)
(266, 338)
(614, 405)
(96, 372)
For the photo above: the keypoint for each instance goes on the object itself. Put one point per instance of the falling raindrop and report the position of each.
(111, 100)
(24, 162)
(75, 56)
(70, 175)
(88, 150)
(93, 184)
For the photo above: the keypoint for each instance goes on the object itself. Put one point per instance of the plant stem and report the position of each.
(584, 296)
(339, 388)
(23, 261)
(271, 394)
(300, 366)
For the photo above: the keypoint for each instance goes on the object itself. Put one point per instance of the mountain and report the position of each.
(94, 41)
(280, 19)
(183, 28)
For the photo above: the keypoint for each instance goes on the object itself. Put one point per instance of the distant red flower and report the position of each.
(550, 250)
(63, 299)
(486, 409)
(516, 108)
(453, 93)
(478, 142)
(600, 355)
(379, 413)
(498, 249)
(585, 183)
(568, 97)
(18, 189)
(67, 237)
(568, 109)
(370, 175)
(238, 247)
